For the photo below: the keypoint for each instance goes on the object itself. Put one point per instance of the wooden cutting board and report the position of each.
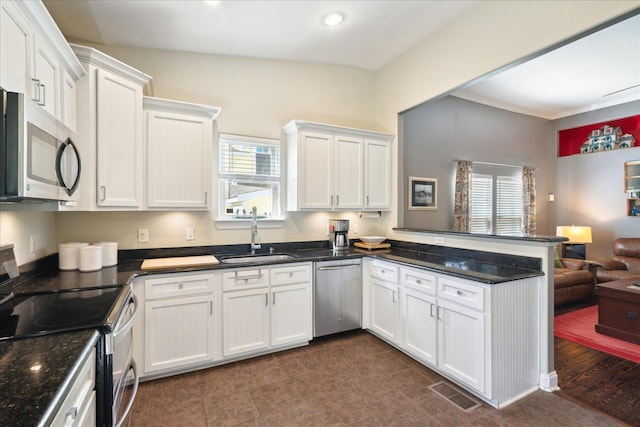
(178, 262)
(372, 246)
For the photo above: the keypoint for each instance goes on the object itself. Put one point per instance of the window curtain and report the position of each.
(461, 211)
(528, 200)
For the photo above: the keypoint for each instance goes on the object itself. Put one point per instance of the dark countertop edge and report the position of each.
(66, 385)
(463, 274)
(476, 277)
(534, 238)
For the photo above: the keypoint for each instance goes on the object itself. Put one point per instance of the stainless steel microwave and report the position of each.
(38, 156)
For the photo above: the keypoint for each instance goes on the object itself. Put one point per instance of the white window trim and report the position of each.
(224, 222)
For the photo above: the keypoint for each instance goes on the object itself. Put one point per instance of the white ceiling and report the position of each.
(569, 80)
(597, 71)
(373, 33)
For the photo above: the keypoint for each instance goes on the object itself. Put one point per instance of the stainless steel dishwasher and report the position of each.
(337, 304)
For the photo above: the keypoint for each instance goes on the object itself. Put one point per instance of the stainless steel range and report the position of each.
(111, 310)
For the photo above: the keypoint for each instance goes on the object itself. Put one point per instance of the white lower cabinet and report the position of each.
(461, 344)
(275, 311)
(419, 332)
(178, 329)
(245, 321)
(385, 310)
(481, 336)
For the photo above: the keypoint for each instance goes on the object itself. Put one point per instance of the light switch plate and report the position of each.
(143, 235)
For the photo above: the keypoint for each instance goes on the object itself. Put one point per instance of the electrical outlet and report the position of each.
(439, 239)
(189, 234)
(354, 228)
(32, 244)
(143, 235)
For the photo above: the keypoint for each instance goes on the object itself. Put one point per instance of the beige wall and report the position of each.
(259, 96)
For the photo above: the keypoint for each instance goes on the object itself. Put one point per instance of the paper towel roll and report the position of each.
(68, 255)
(109, 253)
(90, 258)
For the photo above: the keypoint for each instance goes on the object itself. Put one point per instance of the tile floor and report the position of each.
(348, 380)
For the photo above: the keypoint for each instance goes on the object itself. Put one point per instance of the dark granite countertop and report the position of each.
(32, 397)
(523, 238)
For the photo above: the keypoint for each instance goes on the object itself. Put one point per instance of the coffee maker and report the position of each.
(339, 234)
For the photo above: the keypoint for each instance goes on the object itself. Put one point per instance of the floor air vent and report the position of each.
(455, 396)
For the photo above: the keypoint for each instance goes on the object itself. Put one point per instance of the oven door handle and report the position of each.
(134, 392)
(127, 326)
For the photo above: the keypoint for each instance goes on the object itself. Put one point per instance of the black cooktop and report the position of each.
(41, 314)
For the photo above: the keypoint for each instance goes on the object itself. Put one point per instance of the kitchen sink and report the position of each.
(245, 259)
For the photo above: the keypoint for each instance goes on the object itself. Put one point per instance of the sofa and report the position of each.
(625, 263)
(572, 282)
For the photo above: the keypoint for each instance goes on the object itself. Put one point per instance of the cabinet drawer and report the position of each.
(385, 271)
(245, 279)
(461, 292)
(419, 280)
(300, 273)
(178, 285)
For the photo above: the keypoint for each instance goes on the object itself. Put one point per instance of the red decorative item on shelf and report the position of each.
(570, 140)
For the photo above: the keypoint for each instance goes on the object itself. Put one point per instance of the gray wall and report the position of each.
(438, 132)
(589, 187)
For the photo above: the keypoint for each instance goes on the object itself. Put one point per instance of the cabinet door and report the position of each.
(316, 174)
(119, 141)
(290, 314)
(68, 100)
(179, 160)
(385, 313)
(45, 77)
(419, 331)
(348, 173)
(245, 318)
(15, 48)
(377, 175)
(461, 344)
(178, 332)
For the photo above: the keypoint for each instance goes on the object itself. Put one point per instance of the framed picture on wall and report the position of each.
(423, 193)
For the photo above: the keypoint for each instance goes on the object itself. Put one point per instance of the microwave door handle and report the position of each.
(68, 145)
(136, 381)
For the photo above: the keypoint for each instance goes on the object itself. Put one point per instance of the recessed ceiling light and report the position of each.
(211, 2)
(332, 19)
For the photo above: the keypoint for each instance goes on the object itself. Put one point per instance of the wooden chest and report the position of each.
(619, 310)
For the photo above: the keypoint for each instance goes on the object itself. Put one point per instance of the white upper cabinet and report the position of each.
(34, 56)
(46, 77)
(179, 145)
(110, 131)
(15, 48)
(328, 168)
(377, 174)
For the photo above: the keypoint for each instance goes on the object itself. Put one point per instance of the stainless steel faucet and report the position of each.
(254, 230)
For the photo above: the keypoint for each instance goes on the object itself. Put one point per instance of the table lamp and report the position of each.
(578, 237)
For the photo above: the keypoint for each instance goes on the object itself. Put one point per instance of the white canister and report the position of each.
(90, 258)
(68, 255)
(109, 253)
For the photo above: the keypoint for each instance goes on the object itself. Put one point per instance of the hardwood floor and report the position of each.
(598, 380)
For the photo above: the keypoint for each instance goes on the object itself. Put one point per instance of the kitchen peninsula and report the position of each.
(487, 268)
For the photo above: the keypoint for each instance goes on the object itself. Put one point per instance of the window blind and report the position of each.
(481, 203)
(508, 205)
(243, 159)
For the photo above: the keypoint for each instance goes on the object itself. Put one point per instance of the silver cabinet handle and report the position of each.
(206, 198)
(273, 301)
(37, 90)
(337, 200)
(180, 286)
(338, 267)
(266, 298)
(367, 201)
(393, 296)
(438, 313)
(331, 198)
(459, 293)
(44, 95)
(210, 307)
(104, 192)
(419, 282)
